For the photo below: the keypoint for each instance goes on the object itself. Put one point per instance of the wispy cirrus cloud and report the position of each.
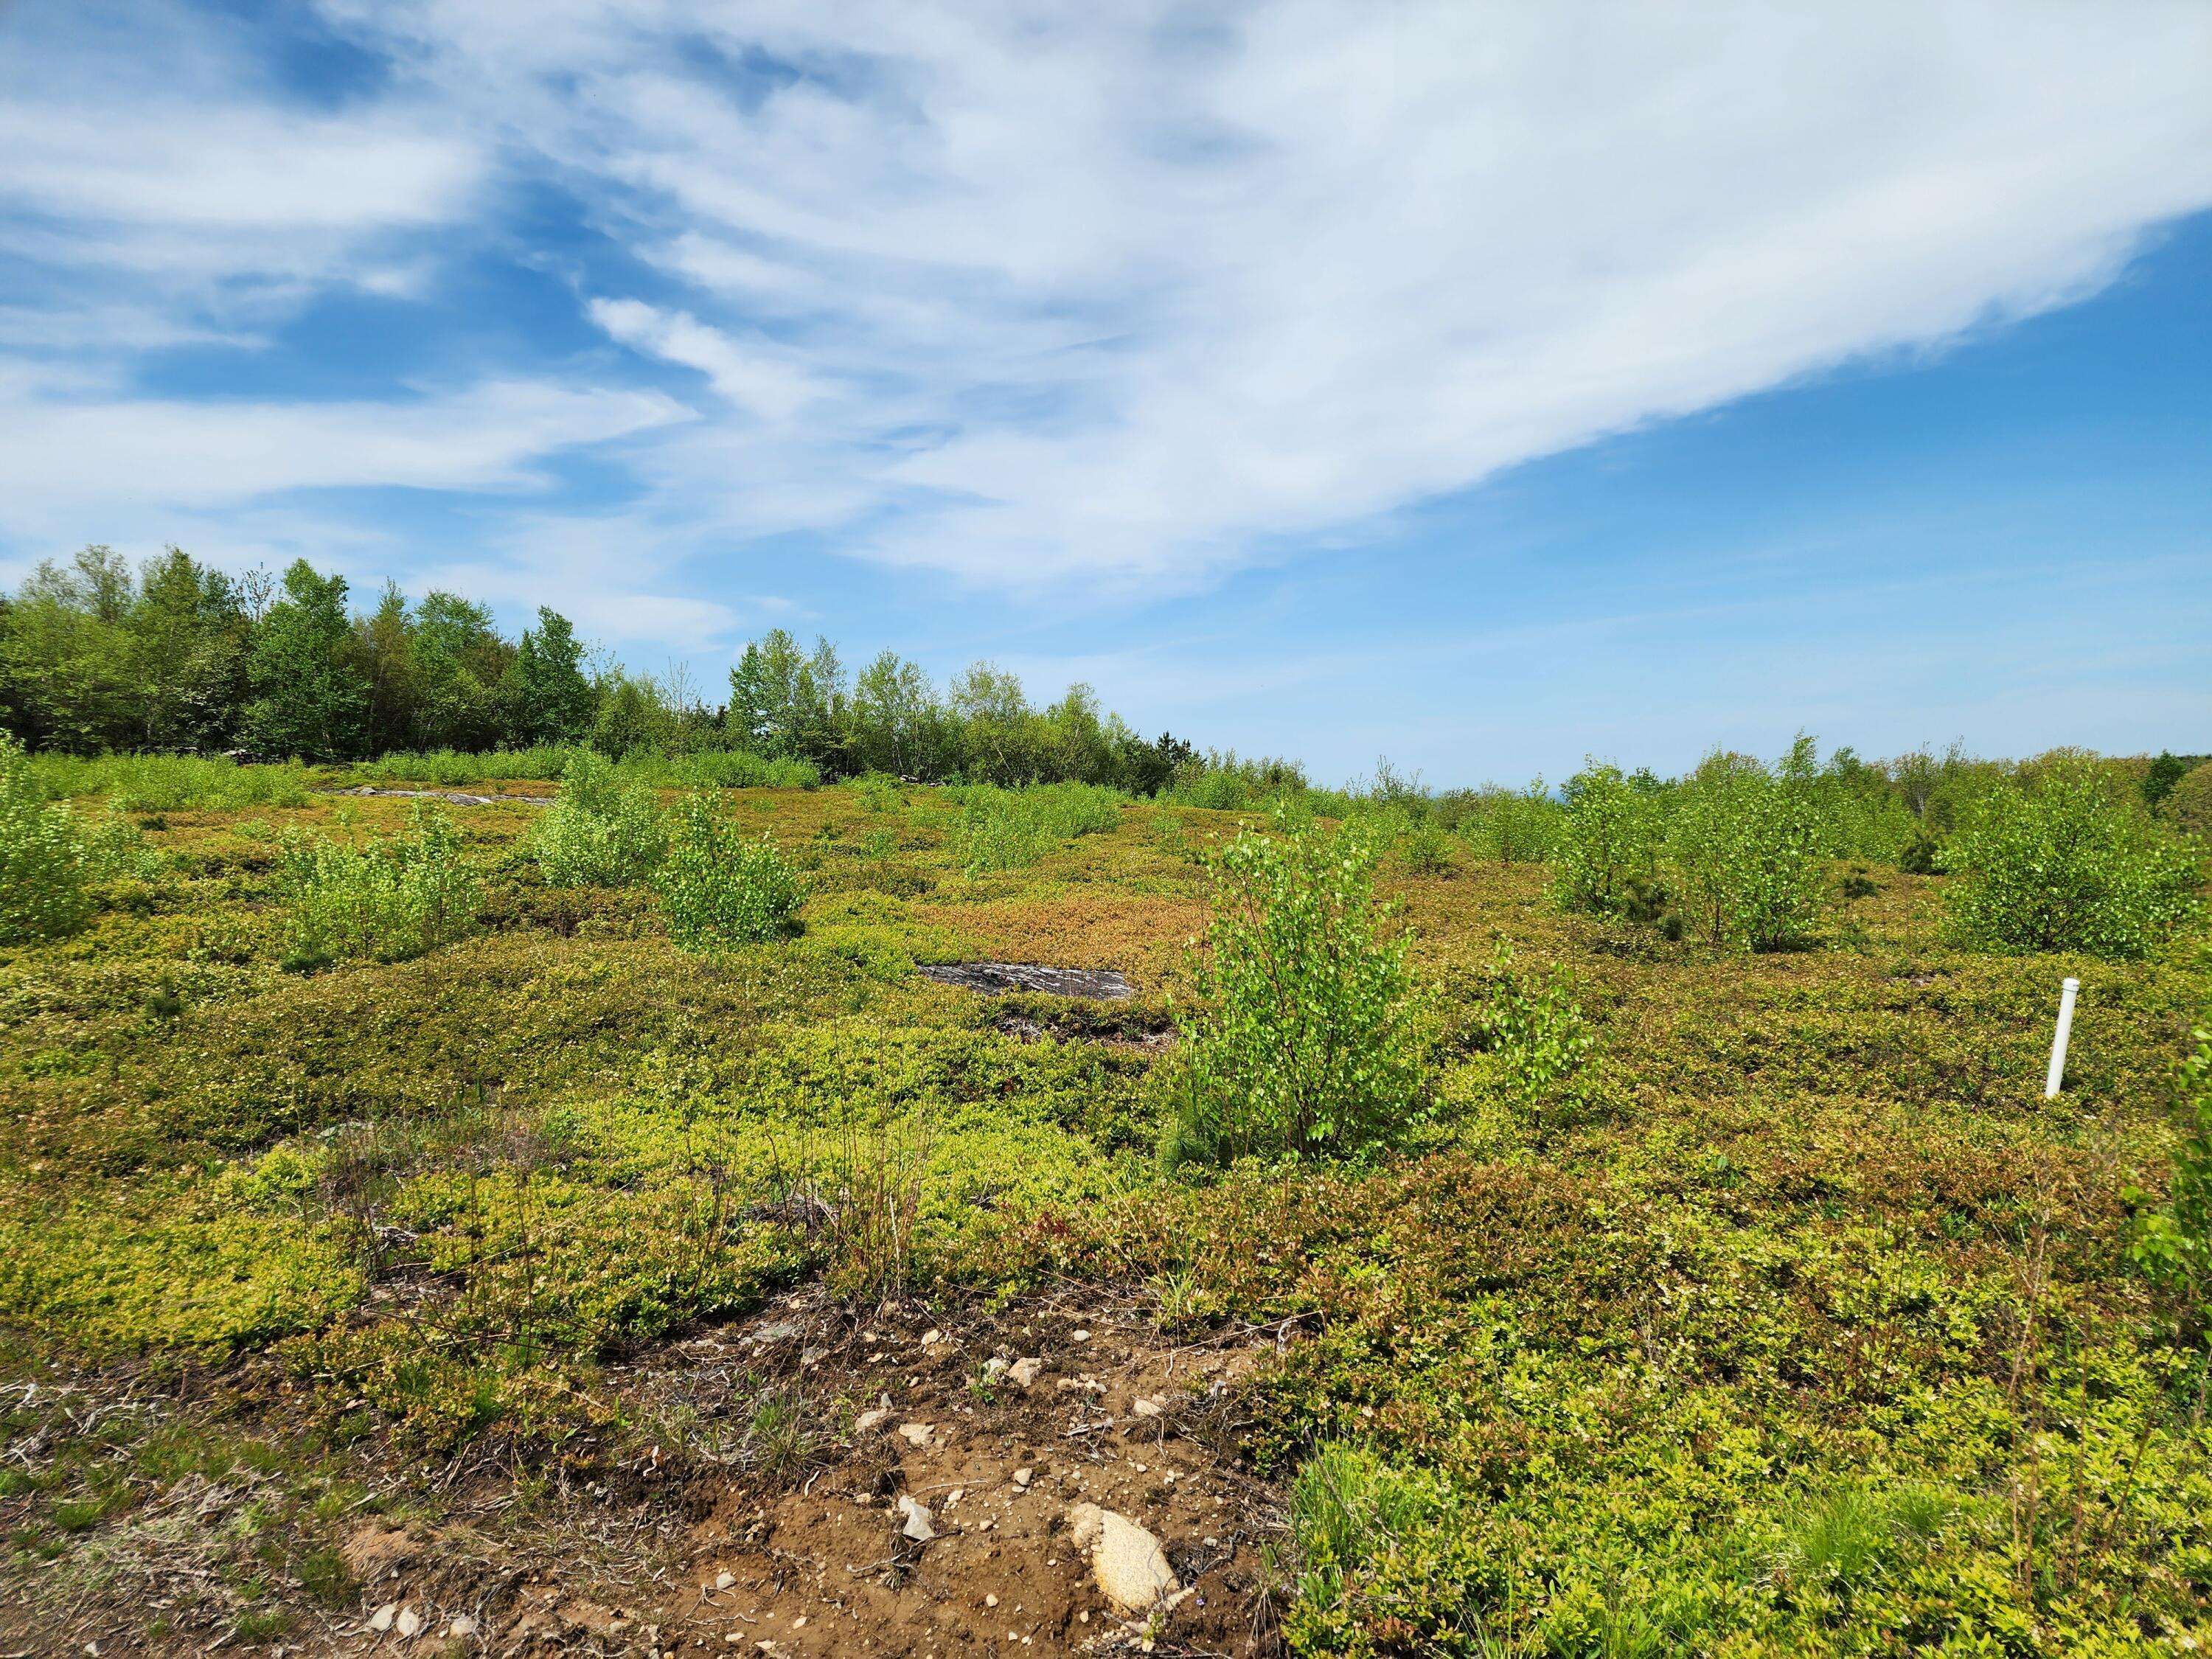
(1046, 295)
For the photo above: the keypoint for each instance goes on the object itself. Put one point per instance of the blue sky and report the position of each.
(1480, 386)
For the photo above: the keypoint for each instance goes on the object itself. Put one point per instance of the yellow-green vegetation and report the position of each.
(1688, 1298)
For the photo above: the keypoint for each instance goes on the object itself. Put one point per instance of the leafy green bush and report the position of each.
(2066, 861)
(1514, 826)
(1012, 829)
(1535, 1027)
(719, 888)
(601, 832)
(2173, 1242)
(1301, 1039)
(45, 865)
(1425, 848)
(1746, 844)
(1611, 831)
(395, 898)
(2190, 803)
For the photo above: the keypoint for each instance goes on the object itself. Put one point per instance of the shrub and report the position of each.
(1535, 1026)
(1746, 844)
(1610, 831)
(395, 898)
(1425, 848)
(2173, 1242)
(601, 832)
(2068, 861)
(719, 888)
(2189, 805)
(1512, 826)
(1301, 1041)
(45, 865)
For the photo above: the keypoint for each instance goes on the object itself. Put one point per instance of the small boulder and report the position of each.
(915, 1434)
(1024, 1373)
(408, 1621)
(1127, 1562)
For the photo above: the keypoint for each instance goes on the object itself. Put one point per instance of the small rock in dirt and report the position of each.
(915, 1434)
(724, 1580)
(919, 1526)
(990, 1600)
(874, 1418)
(408, 1621)
(462, 1628)
(380, 1620)
(1024, 1373)
(1024, 1476)
(930, 1339)
(782, 1331)
(1127, 1562)
(993, 1369)
(1078, 1336)
(1146, 1408)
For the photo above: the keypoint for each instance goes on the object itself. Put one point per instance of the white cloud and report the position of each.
(1058, 294)
(72, 457)
(1136, 297)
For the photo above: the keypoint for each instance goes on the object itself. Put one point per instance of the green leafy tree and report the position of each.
(459, 664)
(1747, 847)
(1301, 1039)
(66, 655)
(310, 693)
(548, 695)
(1609, 836)
(2067, 859)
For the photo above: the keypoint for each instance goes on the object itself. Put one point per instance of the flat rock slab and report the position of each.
(1099, 984)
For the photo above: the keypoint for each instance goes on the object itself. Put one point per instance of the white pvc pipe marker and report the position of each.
(2057, 1073)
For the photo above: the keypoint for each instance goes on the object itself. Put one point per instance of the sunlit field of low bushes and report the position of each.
(1651, 1176)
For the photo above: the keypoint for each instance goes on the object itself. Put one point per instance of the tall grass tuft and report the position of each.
(1012, 829)
(169, 783)
(709, 769)
(395, 898)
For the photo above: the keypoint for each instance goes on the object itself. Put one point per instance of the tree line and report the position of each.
(178, 657)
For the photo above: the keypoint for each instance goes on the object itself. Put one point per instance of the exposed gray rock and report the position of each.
(1097, 984)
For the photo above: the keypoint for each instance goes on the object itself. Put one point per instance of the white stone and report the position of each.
(1146, 1408)
(915, 1434)
(462, 1628)
(1024, 1476)
(1025, 1372)
(408, 1621)
(918, 1526)
(1127, 1562)
(380, 1620)
(724, 1580)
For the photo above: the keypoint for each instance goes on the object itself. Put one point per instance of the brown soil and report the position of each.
(811, 1559)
